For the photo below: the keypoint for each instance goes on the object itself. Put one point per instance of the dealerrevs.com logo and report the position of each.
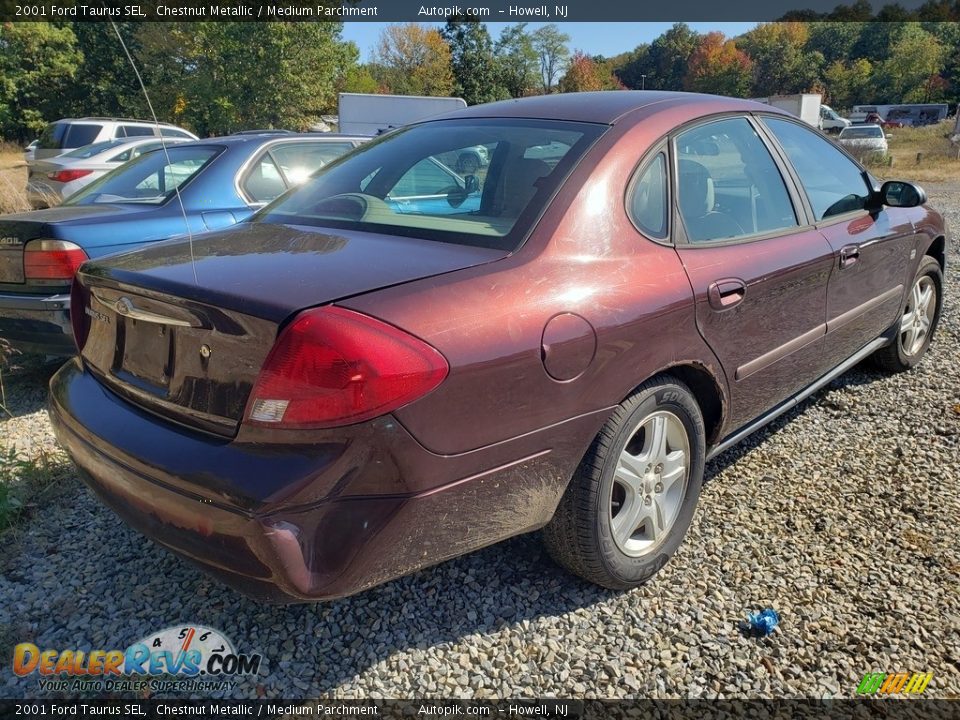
(197, 658)
(894, 683)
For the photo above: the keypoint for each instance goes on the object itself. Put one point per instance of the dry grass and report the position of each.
(13, 179)
(923, 154)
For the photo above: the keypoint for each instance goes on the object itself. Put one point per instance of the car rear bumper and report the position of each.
(37, 323)
(353, 508)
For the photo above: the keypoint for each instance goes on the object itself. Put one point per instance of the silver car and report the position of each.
(864, 141)
(51, 181)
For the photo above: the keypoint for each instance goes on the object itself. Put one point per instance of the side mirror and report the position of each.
(898, 193)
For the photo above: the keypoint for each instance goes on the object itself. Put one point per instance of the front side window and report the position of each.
(832, 181)
(411, 182)
(728, 185)
(151, 178)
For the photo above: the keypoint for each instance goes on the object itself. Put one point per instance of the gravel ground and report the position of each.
(842, 517)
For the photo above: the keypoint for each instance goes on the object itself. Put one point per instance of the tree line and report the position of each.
(219, 77)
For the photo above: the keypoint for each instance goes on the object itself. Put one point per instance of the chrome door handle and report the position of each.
(725, 294)
(849, 254)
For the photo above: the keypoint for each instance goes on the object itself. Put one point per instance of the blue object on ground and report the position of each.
(763, 623)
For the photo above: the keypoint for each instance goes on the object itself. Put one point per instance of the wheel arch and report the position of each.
(938, 251)
(706, 390)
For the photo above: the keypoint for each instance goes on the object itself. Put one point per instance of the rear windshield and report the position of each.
(471, 182)
(150, 179)
(863, 132)
(52, 136)
(90, 150)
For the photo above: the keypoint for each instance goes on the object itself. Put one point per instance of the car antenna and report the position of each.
(163, 144)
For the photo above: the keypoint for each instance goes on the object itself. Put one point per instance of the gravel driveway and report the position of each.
(842, 516)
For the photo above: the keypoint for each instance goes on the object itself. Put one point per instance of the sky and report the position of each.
(597, 38)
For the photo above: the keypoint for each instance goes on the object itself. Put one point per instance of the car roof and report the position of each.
(281, 137)
(128, 121)
(604, 107)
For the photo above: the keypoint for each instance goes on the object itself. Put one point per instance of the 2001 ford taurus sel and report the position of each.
(398, 363)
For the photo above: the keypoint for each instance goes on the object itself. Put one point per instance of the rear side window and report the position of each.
(135, 130)
(728, 185)
(832, 181)
(80, 134)
(648, 198)
(264, 182)
(301, 160)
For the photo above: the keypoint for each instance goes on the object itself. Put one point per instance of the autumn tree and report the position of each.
(665, 64)
(105, 83)
(910, 72)
(518, 63)
(551, 47)
(781, 63)
(413, 59)
(847, 84)
(472, 61)
(37, 62)
(218, 77)
(632, 67)
(585, 74)
(718, 66)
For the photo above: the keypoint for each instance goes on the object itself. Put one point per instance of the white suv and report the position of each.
(71, 133)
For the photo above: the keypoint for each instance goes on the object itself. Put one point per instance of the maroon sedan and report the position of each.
(397, 364)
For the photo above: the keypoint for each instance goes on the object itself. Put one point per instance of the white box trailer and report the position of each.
(364, 114)
(805, 106)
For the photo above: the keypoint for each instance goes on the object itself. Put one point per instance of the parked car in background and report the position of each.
(51, 181)
(875, 119)
(830, 120)
(339, 392)
(220, 182)
(864, 141)
(71, 133)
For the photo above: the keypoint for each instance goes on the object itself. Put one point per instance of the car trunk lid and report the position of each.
(182, 329)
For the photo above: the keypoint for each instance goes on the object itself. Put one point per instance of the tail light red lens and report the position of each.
(78, 314)
(68, 175)
(333, 366)
(52, 260)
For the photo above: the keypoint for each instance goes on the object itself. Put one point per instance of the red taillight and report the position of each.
(52, 260)
(68, 175)
(78, 314)
(333, 366)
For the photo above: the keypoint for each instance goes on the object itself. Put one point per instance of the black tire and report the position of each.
(580, 535)
(897, 357)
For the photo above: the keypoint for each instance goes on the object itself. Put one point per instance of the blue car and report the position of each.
(221, 182)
